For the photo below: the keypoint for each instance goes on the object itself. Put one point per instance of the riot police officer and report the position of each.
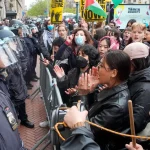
(34, 38)
(16, 83)
(9, 135)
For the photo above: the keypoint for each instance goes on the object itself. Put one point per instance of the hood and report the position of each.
(140, 76)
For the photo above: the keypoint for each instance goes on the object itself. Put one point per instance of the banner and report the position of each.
(123, 13)
(88, 15)
(56, 11)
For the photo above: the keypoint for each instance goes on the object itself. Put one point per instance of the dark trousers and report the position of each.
(34, 65)
(21, 110)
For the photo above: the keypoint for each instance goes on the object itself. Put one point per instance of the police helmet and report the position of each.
(6, 34)
(4, 28)
(15, 23)
(33, 26)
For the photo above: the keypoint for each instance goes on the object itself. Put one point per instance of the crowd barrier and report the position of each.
(51, 97)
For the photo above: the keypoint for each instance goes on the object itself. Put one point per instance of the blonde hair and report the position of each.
(140, 25)
(62, 25)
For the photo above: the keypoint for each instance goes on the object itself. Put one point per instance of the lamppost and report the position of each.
(77, 10)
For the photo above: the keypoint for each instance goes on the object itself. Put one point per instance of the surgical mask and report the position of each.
(50, 27)
(79, 40)
(81, 62)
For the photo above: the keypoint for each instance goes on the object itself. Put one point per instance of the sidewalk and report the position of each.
(36, 114)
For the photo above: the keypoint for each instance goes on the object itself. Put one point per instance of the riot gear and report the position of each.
(6, 33)
(15, 23)
(7, 56)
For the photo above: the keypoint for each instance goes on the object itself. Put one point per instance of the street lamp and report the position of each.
(77, 9)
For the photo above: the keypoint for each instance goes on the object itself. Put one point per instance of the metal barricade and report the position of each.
(50, 95)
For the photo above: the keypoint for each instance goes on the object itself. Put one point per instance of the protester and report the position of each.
(87, 57)
(126, 37)
(46, 40)
(81, 137)
(104, 45)
(69, 49)
(130, 22)
(138, 32)
(62, 31)
(112, 24)
(139, 83)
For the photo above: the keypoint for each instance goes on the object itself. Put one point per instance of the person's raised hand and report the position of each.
(74, 116)
(93, 78)
(45, 62)
(59, 71)
(69, 39)
(130, 147)
(83, 85)
(52, 57)
(70, 91)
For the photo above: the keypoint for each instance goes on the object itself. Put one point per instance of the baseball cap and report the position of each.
(137, 50)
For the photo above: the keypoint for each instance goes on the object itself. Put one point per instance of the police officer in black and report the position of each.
(9, 135)
(16, 83)
(34, 37)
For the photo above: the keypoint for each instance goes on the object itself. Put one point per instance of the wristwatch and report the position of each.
(77, 125)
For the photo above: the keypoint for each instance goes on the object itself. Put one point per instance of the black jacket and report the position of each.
(111, 111)
(16, 84)
(81, 139)
(9, 139)
(70, 81)
(66, 52)
(139, 86)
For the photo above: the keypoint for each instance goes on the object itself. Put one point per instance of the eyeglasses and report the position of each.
(101, 65)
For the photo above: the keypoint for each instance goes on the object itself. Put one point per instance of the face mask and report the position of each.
(79, 40)
(50, 27)
(95, 36)
(81, 62)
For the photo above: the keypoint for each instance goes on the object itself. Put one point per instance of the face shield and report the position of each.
(15, 44)
(25, 31)
(7, 56)
(34, 28)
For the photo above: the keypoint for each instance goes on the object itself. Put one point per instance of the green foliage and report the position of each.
(37, 8)
(70, 10)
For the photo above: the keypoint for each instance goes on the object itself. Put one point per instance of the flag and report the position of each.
(117, 2)
(95, 7)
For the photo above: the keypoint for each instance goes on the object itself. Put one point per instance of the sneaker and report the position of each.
(43, 124)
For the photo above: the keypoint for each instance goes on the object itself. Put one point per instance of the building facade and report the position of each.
(12, 8)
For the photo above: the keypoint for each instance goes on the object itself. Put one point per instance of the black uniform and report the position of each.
(9, 135)
(36, 52)
(17, 90)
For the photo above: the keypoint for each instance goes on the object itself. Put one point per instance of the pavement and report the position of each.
(36, 114)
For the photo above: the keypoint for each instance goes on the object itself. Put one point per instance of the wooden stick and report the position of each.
(92, 28)
(79, 104)
(132, 122)
(53, 39)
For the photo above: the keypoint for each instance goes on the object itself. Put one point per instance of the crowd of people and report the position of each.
(103, 67)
